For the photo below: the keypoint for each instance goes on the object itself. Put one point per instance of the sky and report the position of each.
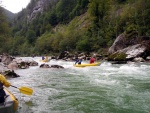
(14, 5)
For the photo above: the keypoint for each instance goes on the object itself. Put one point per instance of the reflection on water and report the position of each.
(102, 89)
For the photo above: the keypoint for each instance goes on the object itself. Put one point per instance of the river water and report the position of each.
(108, 88)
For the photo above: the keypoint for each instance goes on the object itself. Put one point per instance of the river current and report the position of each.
(108, 88)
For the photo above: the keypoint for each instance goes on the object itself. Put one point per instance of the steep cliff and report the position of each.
(38, 7)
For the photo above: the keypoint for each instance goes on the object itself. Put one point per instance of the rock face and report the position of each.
(38, 8)
(131, 47)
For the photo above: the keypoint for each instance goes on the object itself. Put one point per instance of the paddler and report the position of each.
(78, 60)
(4, 82)
(92, 59)
(43, 57)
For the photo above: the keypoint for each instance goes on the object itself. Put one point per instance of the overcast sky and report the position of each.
(15, 5)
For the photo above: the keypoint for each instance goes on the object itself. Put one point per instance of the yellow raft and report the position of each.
(10, 105)
(85, 65)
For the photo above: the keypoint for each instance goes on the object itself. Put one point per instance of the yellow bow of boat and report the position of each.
(85, 65)
(46, 60)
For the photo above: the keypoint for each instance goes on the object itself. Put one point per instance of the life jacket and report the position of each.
(79, 62)
(43, 57)
(92, 60)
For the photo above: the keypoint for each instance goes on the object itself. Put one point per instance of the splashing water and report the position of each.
(100, 89)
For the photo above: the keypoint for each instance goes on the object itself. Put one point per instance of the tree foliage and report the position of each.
(5, 39)
(74, 25)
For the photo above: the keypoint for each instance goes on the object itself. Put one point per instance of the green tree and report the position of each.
(31, 36)
(63, 8)
(4, 28)
(99, 11)
(5, 39)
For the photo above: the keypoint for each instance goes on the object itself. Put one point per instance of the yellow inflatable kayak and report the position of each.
(84, 65)
(45, 60)
(10, 105)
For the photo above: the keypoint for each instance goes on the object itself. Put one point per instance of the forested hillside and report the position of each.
(5, 32)
(52, 26)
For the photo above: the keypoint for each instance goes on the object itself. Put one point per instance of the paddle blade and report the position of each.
(26, 90)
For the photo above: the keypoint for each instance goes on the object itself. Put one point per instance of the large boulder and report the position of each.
(32, 63)
(13, 66)
(63, 55)
(44, 66)
(11, 73)
(6, 59)
(3, 68)
(7, 72)
(127, 47)
(21, 64)
(56, 66)
(118, 44)
(117, 56)
(124, 40)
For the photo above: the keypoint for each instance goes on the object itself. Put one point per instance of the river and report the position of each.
(108, 88)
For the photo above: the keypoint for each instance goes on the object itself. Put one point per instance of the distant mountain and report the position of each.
(10, 16)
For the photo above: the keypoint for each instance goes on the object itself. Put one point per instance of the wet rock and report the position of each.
(3, 68)
(6, 59)
(52, 66)
(119, 62)
(33, 63)
(23, 65)
(20, 64)
(11, 74)
(139, 59)
(13, 66)
(63, 55)
(148, 58)
(0, 58)
(44, 66)
(56, 66)
(7, 72)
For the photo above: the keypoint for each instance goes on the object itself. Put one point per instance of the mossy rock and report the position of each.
(117, 57)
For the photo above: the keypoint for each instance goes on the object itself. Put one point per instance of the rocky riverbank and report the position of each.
(8, 64)
(128, 47)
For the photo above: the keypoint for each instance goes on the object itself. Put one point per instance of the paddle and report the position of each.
(25, 90)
